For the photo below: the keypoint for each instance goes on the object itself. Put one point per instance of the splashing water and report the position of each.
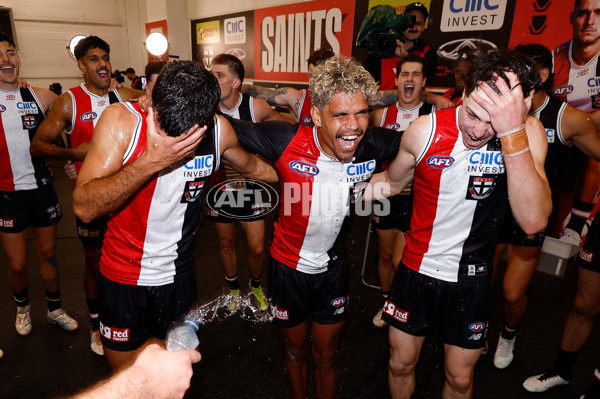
(228, 305)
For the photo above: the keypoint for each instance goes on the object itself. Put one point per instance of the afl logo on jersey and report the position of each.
(440, 161)
(88, 116)
(562, 90)
(2, 108)
(393, 126)
(307, 120)
(304, 168)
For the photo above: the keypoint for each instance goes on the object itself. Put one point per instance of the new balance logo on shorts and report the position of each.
(114, 334)
(282, 314)
(398, 314)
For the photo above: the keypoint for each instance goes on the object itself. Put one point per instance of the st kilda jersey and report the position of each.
(21, 113)
(397, 118)
(150, 241)
(563, 159)
(319, 193)
(578, 85)
(304, 116)
(86, 110)
(460, 201)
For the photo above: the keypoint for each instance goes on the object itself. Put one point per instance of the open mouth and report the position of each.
(103, 74)
(8, 69)
(409, 90)
(348, 142)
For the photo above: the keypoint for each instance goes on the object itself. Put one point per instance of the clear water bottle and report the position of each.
(183, 337)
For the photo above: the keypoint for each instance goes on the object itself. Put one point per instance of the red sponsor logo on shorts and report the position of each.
(282, 314)
(7, 222)
(396, 313)
(114, 334)
(586, 256)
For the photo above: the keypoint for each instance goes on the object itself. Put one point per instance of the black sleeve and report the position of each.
(381, 143)
(431, 60)
(267, 139)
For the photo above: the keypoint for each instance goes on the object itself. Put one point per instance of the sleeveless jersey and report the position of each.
(304, 116)
(577, 85)
(150, 240)
(86, 110)
(21, 113)
(388, 69)
(563, 159)
(460, 203)
(318, 192)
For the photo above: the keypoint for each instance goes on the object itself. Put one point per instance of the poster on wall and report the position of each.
(231, 34)
(287, 35)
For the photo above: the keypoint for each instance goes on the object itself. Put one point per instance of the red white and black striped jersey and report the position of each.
(150, 241)
(304, 116)
(460, 201)
(21, 113)
(86, 110)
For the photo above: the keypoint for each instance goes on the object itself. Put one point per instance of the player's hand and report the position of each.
(444, 103)
(507, 109)
(70, 170)
(400, 49)
(165, 374)
(24, 84)
(163, 150)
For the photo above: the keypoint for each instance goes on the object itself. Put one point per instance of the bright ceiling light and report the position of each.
(73, 43)
(156, 43)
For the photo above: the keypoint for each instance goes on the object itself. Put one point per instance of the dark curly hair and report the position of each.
(185, 94)
(486, 64)
(540, 55)
(88, 43)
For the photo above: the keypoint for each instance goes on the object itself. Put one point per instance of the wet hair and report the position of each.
(89, 43)
(542, 57)
(339, 74)
(234, 65)
(153, 68)
(410, 57)
(319, 56)
(486, 64)
(5, 38)
(185, 94)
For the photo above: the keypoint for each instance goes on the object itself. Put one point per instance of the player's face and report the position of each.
(150, 84)
(342, 124)
(460, 72)
(96, 67)
(474, 123)
(416, 31)
(9, 66)
(410, 84)
(226, 80)
(586, 22)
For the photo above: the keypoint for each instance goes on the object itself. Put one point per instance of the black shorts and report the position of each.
(589, 257)
(298, 296)
(400, 214)
(227, 206)
(130, 314)
(462, 309)
(512, 233)
(37, 208)
(92, 232)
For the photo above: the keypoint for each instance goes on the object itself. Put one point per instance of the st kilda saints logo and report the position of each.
(28, 121)
(480, 187)
(192, 191)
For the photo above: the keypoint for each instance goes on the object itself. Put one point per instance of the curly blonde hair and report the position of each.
(339, 74)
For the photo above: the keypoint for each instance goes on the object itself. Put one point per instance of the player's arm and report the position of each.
(439, 101)
(247, 164)
(59, 116)
(104, 185)
(128, 94)
(375, 117)
(264, 112)
(401, 171)
(524, 147)
(284, 96)
(577, 125)
(384, 98)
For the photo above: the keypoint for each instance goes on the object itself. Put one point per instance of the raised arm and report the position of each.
(104, 185)
(264, 112)
(56, 121)
(128, 94)
(524, 147)
(388, 97)
(247, 164)
(401, 171)
(577, 125)
(284, 96)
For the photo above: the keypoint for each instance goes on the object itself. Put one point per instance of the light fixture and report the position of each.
(156, 43)
(73, 43)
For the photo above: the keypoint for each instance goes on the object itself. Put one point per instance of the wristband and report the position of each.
(514, 142)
